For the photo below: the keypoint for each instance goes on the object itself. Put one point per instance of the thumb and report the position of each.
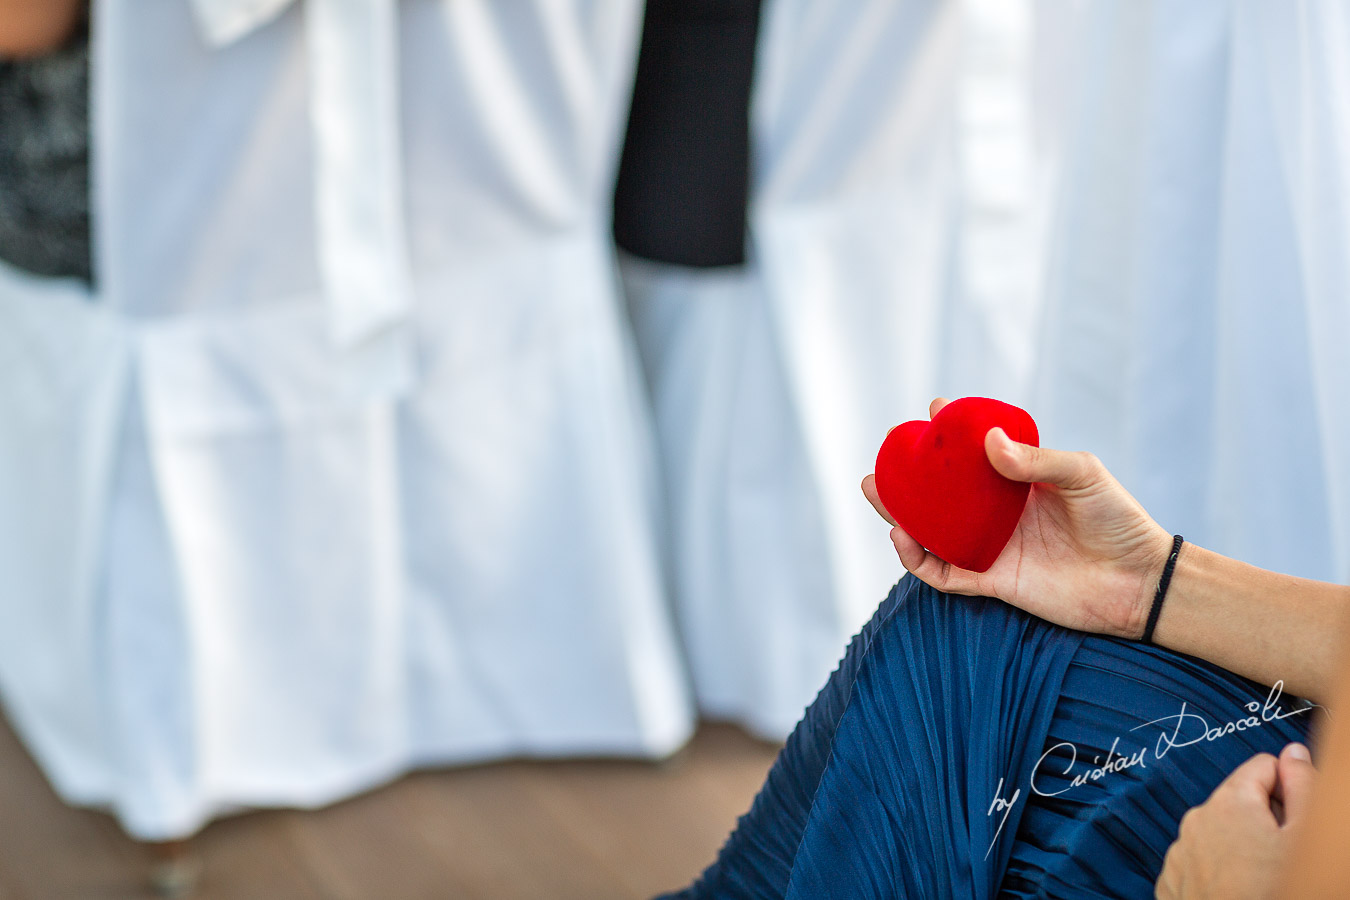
(1025, 462)
(1296, 780)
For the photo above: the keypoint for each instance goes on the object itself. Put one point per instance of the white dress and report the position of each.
(345, 467)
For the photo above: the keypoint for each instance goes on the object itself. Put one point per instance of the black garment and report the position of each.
(44, 162)
(683, 178)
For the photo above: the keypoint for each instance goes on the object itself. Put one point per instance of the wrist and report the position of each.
(1160, 595)
(1152, 563)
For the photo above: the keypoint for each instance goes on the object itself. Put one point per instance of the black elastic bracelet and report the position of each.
(1162, 589)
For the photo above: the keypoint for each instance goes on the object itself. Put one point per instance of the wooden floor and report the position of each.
(592, 829)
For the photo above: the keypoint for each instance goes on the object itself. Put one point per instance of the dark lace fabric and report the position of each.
(44, 162)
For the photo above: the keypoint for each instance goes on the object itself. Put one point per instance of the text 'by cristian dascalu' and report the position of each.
(1184, 729)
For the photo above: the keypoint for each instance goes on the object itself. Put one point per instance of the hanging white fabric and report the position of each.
(745, 538)
(895, 205)
(1196, 316)
(362, 247)
(997, 267)
(276, 575)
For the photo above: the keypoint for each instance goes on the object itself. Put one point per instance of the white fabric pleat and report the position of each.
(895, 217)
(362, 249)
(359, 182)
(269, 574)
(896, 202)
(63, 378)
(1127, 217)
(744, 539)
(1194, 316)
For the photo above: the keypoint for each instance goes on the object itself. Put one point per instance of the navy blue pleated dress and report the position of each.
(966, 749)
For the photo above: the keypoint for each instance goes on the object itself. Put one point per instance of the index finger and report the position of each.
(869, 489)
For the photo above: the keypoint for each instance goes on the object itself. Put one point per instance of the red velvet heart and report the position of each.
(937, 483)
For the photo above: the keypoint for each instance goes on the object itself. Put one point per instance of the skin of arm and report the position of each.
(34, 27)
(1086, 555)
(1259, 624)
(1317, 864)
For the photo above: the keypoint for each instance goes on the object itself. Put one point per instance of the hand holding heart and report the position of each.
(1084, 553)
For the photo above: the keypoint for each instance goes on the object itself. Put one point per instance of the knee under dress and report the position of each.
(966, 749)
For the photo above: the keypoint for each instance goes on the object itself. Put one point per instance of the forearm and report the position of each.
(34, 27)
(1318, 865)
(1259, 624)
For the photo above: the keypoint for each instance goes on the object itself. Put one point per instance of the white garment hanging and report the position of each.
(271, 574)
(897, 211)
(1128, 217)
(750, 570)
(358, 184)
(894, 211)
(1196, 313)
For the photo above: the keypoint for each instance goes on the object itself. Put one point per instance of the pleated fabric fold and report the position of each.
(966, 749)
(949, 710)
(1187, 723)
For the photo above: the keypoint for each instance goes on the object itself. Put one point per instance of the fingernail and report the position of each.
(1299, 752)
